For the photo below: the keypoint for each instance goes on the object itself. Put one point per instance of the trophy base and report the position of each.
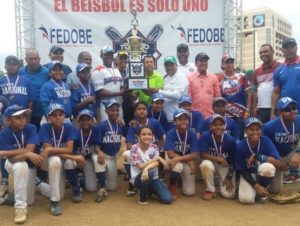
(138, 83)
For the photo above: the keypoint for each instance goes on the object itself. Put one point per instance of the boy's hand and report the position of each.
(101, 158)
(90, 99)
(228, 184)
(295, 160)
(145, 175)
(36, 159)
(251, 161)
(120, 122)
(80, 161)
(223, 162)
(45, 153)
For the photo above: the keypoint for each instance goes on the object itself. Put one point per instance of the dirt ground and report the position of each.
(118, 209)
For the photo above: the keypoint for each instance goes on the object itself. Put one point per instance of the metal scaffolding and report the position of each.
(24, 26)
(233, 26)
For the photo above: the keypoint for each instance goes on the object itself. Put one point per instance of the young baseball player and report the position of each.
(156, 111)
(284, 131)
(57, 139)
(55, 90)
(181, 143)
(140, 112)
(109, 143)
(219, 107)
(17, 143)
(217, 151)
(144, 168)
(256, 160)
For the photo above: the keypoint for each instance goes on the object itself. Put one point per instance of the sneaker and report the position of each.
(208, 195)
(143, 199)
(262, 199)
(55, 208)
(173, 190)
(291, 179)
(131, 190)
(76, 195)
(20, 216)
(3, 188)
(101, 195)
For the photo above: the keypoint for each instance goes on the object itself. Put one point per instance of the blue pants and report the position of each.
(153, 186)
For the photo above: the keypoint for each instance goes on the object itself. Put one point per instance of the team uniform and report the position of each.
(161, 117)
(262, 171)
(225, 149)
(182, 145)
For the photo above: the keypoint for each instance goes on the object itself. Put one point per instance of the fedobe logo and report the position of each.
(149, 43)
(67, 37)
(259, 20)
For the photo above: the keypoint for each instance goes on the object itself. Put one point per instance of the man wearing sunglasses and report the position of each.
(284, 131)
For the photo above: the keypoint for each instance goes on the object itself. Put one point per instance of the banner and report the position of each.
(87, 25)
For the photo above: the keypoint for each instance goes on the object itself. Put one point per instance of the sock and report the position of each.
(101, 179)
(173, 177)
(128, 171)
(73, 178)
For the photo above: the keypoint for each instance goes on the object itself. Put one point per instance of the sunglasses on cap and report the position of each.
(122, 53)
(290, 108)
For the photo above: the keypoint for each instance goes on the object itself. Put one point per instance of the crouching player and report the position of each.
(217, 151)
(256, 159)
(17, 143)
(145, 160)
(57, 139)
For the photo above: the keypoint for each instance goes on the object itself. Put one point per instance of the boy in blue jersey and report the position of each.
(156, 111)
(57, 140)
(14, 87)
(284, 131)
(196, 118)
(219, 107)
(18, 142)
(256, 160)
(55, 90)
(217, 151)
(109, 143)
(181, 143)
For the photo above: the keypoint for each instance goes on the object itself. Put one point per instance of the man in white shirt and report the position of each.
(184, 66)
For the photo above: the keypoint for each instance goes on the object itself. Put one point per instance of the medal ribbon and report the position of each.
(249, 147)
(219, 150)
(84, 146)
(17, 140)
(88, 93)
(60, 137)
(287, 131)
(114, 133)
(182, 145)
(153, 115)
(14, 84)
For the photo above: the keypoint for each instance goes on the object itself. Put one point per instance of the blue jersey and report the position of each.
(161, 117)
(243, 152)
(17, 89)
(288, 79)
(284, 142)
(196, 121)
(84, 144)
(56, 92)
(157, 129)
(231, 127)
(67, 70)
(109, 139)
(10, 140)
(37, 79)
(225, 150)
(176, 144)
(4, 103)
(46, 135)
(80, 94)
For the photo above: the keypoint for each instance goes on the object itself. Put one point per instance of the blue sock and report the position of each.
(173, 177)
(101, 179)
(4, 173)
(128, 171)
(264, 181)
(73, 178)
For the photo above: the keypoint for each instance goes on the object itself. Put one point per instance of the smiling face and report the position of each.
(107, 59)
(183, 56)
(57, 118)
(145, 136)
(85, 121)
(289, 113)
(182, 122)
(253, 132)
(113, 112)
(217, 127)
(170, 68)
(290, 51)
(57, 73)
(266, 54)
(157, 106)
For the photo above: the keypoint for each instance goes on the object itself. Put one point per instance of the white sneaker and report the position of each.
(101, 195)
(20, 216)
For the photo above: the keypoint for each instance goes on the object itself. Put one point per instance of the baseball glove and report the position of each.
(284, 199)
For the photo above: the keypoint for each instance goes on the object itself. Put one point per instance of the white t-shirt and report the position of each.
(187, 69)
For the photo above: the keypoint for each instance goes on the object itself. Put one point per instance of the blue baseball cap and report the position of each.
(157, 96)
(185, 98)
(54, 64)
(284, 102)
(179, 112)
(107, 49)
(111, 103)
(56, 48)
(86, 112)
(252, 120)
(82, 66)
(15, 110)
(54, 106)
(215, 117)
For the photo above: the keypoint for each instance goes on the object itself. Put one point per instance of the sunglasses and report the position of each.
(122, 53)
(290, 108)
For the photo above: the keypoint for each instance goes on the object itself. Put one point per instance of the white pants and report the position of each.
(247, 193)
(24, 182)
(103, 115)
(126, 157)
(188, 179)
(208, 169)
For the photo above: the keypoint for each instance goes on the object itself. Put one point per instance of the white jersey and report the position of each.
(187, 69)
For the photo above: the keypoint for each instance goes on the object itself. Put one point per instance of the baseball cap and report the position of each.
(219, 99)
(86, 112)
(179, 112)
(55, 63)
(10, 59)
(56, 48)
(252, 120)
(111, 103)
(15, 110)
(170, 59)
(82, 66)
(289, 41)
(54, 106)
(284, 102)
(216, 116)
(185, 98)
(107, 49)
(182, 46)
(201, 56)
(157, 96)
(226, 57)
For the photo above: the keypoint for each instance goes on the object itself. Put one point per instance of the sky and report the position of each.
(8, 30)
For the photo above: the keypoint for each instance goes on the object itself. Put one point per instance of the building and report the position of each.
(262, 26)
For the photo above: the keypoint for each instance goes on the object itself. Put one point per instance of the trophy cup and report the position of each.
(137, 79)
